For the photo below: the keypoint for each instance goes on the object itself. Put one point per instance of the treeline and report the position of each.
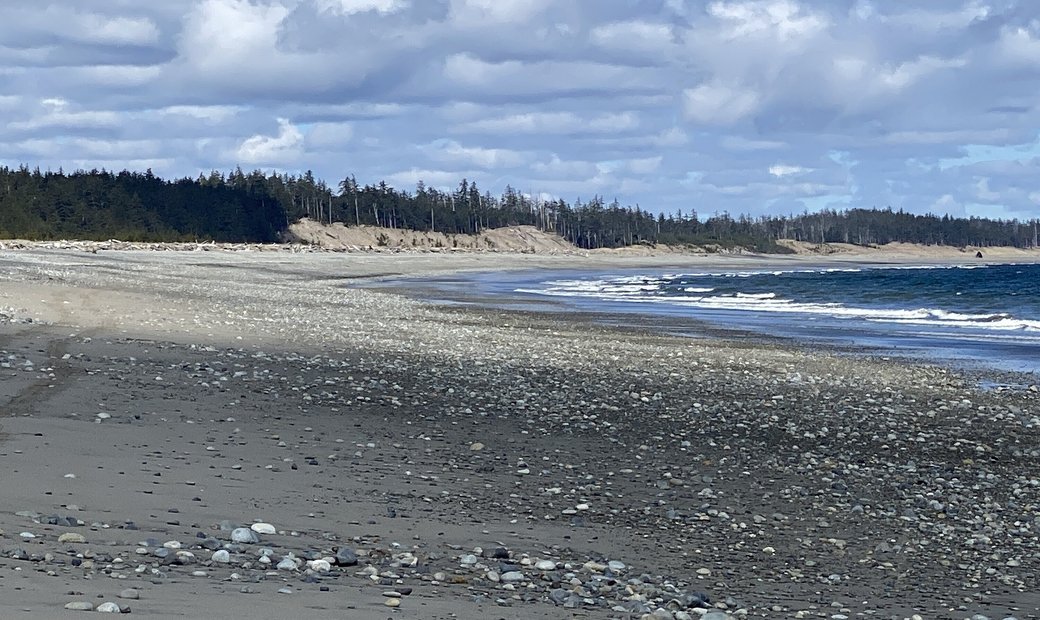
(259, 207)
(133, 206)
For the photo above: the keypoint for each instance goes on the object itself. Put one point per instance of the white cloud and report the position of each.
(445, 180)
(783, 19)
(740, 143)
(285, 148)
(70, 23)
(936, 20)
(350, 7)
(633, 36)
(209, 113)
(119, 30)
(1019, 44)
(912, 71)
(645, 165)
(783, 170)
(719, 104)
(56, 114)
(672, 136)
(556, 123)
(475, 12)
(231, 34)
(451, 151)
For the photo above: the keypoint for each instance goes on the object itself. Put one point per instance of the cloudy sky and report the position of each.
(746, 106)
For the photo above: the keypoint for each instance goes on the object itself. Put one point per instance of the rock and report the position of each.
(244, 535)
(476, 446)
(468, 560)
(108, 608)
(392, 602)
(80, 606)
(545, 565)
(594, 567)
(221, 557)
(559, 596)
(72, 537)
(287, 564)
(130, 594)
(512, 576)
(717, 615)
(263, 528)
(346, 557)
(319, 566)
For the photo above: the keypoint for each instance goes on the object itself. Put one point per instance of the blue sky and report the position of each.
(745, 106)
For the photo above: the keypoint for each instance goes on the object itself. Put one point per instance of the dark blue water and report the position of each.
(985, 316)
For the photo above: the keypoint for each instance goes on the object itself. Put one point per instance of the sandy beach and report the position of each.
(397, 459)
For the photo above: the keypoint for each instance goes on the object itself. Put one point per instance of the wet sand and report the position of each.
(479, 463)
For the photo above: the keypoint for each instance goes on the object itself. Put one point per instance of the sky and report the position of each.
(760, 107)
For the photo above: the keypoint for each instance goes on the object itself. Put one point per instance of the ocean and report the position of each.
(971, 316)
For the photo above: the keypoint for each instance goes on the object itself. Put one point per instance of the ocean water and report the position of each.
(977, 315)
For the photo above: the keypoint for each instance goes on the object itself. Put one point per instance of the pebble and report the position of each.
(108, 608)
(346, 557)
(221, 557)
(130, 594)
(392, 602)
(80, 606)
(72, 537)
(263, 528)
(244, 535)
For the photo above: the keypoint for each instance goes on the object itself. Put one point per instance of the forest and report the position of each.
(259, 207)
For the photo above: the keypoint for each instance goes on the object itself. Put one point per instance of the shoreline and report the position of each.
(780, 482)
(498, 290)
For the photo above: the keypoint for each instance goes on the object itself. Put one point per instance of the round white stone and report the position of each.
(263, 528)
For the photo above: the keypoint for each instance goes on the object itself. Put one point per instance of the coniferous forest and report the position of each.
(258, 207)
